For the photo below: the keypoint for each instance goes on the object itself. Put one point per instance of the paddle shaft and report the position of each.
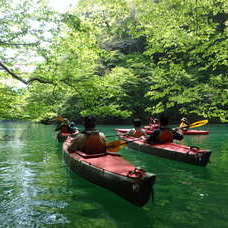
(126, 142)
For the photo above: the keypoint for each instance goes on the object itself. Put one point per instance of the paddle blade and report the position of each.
(116, 145)
(60, 118)
(198, 123)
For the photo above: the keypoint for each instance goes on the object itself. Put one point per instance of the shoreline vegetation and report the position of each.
(116, 60)
(105, 122)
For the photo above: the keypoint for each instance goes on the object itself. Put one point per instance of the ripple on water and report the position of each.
(25, 211)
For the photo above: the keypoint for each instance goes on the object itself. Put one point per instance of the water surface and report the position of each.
(38, 190)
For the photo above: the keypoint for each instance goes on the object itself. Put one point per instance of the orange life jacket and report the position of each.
(94, 144)
(164, 136)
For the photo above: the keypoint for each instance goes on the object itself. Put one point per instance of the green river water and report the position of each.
(38, 190)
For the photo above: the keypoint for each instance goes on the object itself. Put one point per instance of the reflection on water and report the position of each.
(38, 190)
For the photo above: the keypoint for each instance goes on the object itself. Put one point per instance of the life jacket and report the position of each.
(183, 125)
(164, 136)
(94, 143)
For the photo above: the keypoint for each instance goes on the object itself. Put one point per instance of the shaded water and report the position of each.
(38, 190)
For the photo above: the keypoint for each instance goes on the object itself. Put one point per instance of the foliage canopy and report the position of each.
(118, 59)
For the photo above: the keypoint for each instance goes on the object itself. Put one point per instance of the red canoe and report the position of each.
(113, 172)
(192, 155)
(195, 132)
(187, 132)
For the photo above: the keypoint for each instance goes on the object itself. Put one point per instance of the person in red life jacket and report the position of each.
(89, 141)
(64, 126)
(164, 134)
(137, 131)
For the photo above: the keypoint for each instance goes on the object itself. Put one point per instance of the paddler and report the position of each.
(64, 126)
(184, 124)
(73, 128)
(153, 123)
(137, 131)
(90, 140)
(164, 134)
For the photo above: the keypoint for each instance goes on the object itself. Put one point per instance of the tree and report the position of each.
(26, 28)
(118, 59)
(187, 43)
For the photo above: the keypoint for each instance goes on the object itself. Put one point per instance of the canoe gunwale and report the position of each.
(187, 132)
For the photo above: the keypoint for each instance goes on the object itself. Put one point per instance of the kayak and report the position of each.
(148, 131)
(113, 172)
(61, 137)
(179, 152)
(195, 132)
(125, 130)
(151, 127)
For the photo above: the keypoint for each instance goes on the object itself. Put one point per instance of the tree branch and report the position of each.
(18, 44)
(26, 82)
(41, 80)
(66, 81)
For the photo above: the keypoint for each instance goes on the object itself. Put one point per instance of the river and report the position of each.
(38, 190)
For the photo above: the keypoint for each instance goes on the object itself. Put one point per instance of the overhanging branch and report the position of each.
(66, 81)
(26, 82)
(18, 44)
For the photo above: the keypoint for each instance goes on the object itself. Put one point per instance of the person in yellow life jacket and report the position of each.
(137, 131)
(164, 134)
(184, 124)
(89, 141)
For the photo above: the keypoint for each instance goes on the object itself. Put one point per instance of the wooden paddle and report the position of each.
(60, 118)
(117, 145)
